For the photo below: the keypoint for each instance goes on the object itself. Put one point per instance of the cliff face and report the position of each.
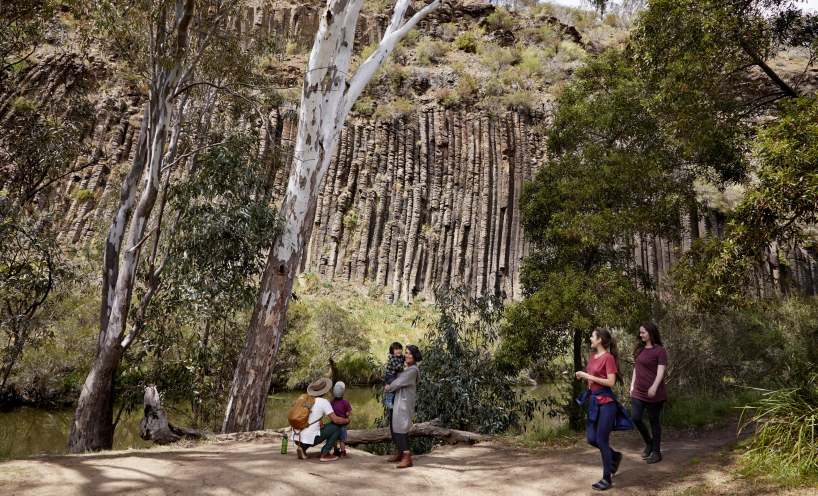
(429, 199)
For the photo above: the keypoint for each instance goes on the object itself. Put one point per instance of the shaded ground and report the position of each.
(250, 468)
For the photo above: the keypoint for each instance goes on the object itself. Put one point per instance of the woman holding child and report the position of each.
(405, 388)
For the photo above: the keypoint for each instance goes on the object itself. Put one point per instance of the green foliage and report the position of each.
(430, 51)
(519, 100)
(584, 201)
(497, 58)
(501, 19)
(785, 197)
(704, 408)
(448, 98)
(321, 336)
(540, 329)
(24, 24)
(350, 219)
(461, 383)
(365, 106)
(194, 328)
(696, 67)
(469, 41)
(37, 150)
(778, 345)
(395, 109)
(785, 441)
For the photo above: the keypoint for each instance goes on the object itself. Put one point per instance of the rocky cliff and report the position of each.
(424, 199)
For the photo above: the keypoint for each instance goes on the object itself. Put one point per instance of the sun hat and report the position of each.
(338, 389)
(319, 387)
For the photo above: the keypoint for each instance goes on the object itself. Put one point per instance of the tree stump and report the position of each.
(155, 427)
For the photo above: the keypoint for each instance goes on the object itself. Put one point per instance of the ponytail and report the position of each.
(609, 343)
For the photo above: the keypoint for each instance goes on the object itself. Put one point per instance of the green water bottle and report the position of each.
(284, 445)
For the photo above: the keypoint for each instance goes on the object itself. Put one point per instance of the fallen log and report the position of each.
(423, 429)
(155, 426)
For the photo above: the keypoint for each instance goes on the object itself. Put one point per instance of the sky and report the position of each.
(806, 5)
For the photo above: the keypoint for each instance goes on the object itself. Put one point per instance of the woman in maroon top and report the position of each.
(601, 373)
(648, 389)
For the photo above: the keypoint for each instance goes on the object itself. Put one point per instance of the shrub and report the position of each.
(495, 57)
(23, 104)
(83, 195)
(461, 383)
(612, 19)
(468, 41)
(411, 38)
(467, 87)
(785, 441)
(501, 19)
(493, 86)
(448, 97)
(448, 31)
(395, 109)
(570, 51)
(520, 100)
(365, 106)
(350, 219)
(430, 51)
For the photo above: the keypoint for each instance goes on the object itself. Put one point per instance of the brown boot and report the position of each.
(406, 460)
(395, 458)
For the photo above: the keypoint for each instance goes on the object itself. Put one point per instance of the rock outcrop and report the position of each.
(426, 200)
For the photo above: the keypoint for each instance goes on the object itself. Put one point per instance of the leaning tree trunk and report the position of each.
(326, 100)
(575, 413)
(92, 428)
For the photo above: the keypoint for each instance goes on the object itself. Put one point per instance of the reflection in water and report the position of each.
(28, 431)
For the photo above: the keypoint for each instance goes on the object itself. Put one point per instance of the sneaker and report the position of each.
(602, 485)
(654, 458)
(327, 457)
(647, 451)
(617, 459)
(302, 455)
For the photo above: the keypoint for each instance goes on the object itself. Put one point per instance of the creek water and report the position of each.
(26, 432)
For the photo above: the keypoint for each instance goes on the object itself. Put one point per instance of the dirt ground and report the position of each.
(693, 465)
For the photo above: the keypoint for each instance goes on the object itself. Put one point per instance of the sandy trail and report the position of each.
(257, 468)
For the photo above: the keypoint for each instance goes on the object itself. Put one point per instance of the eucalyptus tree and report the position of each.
(175, 36)
(327, 97)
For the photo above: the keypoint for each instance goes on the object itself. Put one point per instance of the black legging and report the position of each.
(401, 440)
(654, 416)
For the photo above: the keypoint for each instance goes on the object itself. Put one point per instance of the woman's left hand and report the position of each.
(387, 388)
(652, 392)
(581, 375)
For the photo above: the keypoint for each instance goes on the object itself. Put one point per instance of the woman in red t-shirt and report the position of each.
(601, 375)
(648, 389)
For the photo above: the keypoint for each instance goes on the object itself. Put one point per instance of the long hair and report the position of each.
(610, 344)
(655, 338)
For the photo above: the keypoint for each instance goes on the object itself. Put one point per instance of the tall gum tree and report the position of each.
(326, 99)
(172, 61)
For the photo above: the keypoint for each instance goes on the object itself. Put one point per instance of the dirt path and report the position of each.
(257, 468)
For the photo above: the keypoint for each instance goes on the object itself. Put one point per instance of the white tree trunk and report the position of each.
(92, 427)
(326, 99)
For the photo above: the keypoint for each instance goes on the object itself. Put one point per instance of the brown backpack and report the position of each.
(299, 414)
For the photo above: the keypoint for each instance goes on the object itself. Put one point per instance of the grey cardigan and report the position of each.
(405, 388)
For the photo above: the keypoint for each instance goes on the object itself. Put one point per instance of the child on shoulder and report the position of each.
(394, 366)
(342, 408)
